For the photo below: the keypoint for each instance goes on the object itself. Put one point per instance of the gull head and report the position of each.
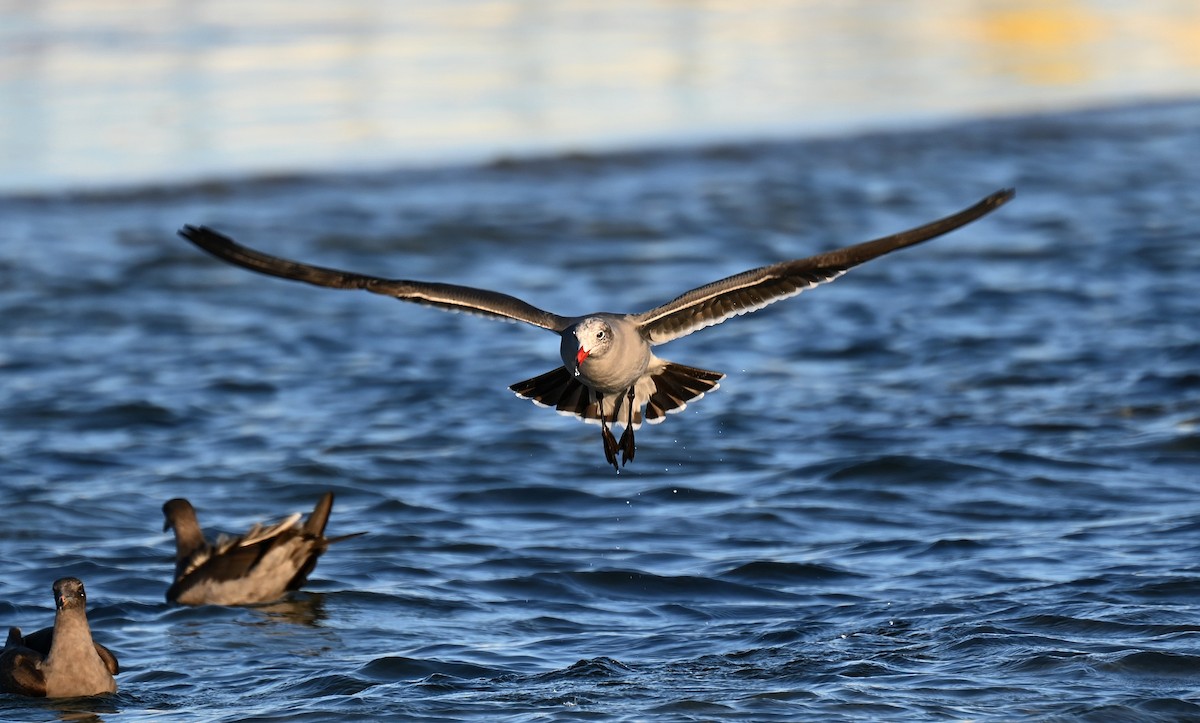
(592, 339)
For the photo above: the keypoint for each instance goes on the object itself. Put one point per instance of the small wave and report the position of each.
(602, 668)
(533, 497)
(397, 668)
(1155, 663)
(906, 468)
(951, 548)
(768, 572)
(633, 584)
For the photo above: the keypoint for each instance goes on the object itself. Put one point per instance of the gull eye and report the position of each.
(600, 334)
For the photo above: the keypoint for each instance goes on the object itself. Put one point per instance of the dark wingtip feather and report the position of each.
(315, 525)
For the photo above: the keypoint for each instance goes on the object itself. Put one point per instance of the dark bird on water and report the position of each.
(257, 567)
(609, 374)
(62, 661)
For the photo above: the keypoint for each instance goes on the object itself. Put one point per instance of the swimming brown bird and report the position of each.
(609, 374)
(62, 661)
(257, 567)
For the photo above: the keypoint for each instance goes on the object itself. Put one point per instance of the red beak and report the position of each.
(580, 356)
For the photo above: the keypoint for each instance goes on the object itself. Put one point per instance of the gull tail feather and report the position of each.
(559, 389)
(674, 386)
(667, 388)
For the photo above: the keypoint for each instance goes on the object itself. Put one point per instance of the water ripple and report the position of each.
(958, 484)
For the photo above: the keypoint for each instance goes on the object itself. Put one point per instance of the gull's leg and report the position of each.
(610, 442)
(626, 444)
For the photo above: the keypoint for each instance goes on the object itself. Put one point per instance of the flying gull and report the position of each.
(609, 374)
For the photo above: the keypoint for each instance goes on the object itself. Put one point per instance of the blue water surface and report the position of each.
(959, 483)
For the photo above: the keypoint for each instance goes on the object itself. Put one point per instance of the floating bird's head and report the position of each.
(177, 511)
(593, 336)
(68, 593)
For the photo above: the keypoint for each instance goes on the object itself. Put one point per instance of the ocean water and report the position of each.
(959, 483)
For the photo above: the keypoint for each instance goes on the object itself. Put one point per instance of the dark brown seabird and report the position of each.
(257, 567)
(62, 661)
(607, 357)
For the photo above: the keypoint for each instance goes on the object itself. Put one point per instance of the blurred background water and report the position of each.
(958, 484)
(96, 93)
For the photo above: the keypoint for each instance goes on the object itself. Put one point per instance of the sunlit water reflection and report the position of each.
(126, 91)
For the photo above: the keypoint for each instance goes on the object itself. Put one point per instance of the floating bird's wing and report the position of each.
(21, 670)
(314, 531)
(752, 290)
(15, 637)
(40, 640)
(316, 522)
(233, 563)
(258, 533)
(450, 297)
(110, 659)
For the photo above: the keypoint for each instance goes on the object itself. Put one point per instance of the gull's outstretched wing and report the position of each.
(450, 297)
(752, 290)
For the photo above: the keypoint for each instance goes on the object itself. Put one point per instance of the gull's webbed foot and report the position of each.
(626, 446)
(610, 446)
